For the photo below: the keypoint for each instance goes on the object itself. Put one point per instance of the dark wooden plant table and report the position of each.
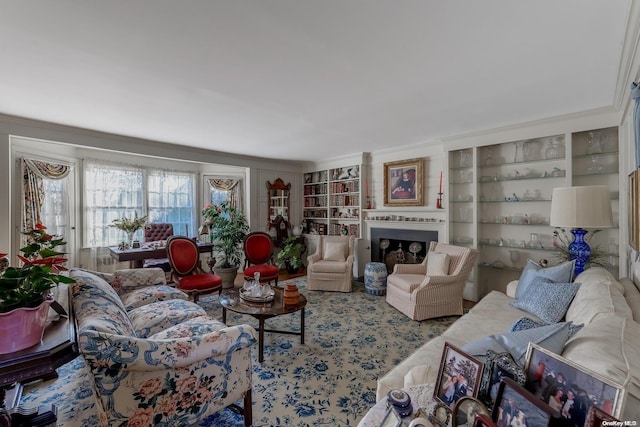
(58, 346)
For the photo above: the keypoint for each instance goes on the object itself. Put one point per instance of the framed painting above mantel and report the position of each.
(403, 183)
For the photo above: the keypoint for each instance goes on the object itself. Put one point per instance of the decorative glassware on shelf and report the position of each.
(515, 258)
(522, 152)
(534, 241)
(595, 166)
(488, 161)
(465, 159)
(554, 150)
(595, 143)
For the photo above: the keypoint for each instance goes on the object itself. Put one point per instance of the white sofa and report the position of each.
(608, 344)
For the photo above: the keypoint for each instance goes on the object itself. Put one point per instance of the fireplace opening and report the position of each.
(392, 246)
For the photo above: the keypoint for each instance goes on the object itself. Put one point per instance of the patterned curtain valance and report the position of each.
(47, 170)
(231, 186)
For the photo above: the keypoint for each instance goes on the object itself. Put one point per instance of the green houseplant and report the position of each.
(290, 255)
(24, 291)
(229, 228)
(129, 226)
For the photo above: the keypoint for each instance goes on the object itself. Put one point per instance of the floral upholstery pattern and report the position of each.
(135, 278)
(144, 296)
(158, 316)
(164, 363)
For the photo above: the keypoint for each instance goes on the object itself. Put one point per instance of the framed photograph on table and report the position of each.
(483, 420)
(497, 367)
(553, 379)
(516, 407)
(458, 376)
(403, 183)
(465, 411)
(596, 416)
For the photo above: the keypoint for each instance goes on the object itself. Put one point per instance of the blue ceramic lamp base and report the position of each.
(579, 250)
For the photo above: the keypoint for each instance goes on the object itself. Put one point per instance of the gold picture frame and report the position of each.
(403, 183)
(634, 211)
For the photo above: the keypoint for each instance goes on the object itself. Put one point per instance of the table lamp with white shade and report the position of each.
(580, 208)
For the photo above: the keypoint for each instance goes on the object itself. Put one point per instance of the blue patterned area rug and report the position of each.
(351, 339)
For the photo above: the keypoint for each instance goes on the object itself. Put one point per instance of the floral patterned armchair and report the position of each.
(164, 362)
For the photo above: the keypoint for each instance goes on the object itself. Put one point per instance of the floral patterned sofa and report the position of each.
(155, 357)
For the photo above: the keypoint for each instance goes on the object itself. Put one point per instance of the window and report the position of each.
(115, 191)
(171, 200)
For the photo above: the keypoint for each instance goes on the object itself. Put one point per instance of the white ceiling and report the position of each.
(302, 79)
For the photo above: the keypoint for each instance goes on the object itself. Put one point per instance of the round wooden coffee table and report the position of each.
(230, 300)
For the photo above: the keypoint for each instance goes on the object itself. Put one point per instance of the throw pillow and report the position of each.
(562, 273)
(438, 264)
(551, 337)
(334, 251)
(135, 278)
(525, 323)
(546, 299)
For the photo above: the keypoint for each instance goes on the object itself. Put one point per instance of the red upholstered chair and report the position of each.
(154, 232)
(258, 255)
(184, 259)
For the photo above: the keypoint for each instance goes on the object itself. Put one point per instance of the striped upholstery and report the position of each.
(421, 297)
(331, 275)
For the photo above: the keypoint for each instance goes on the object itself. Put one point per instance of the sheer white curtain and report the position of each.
(111, 191)
(171, 199)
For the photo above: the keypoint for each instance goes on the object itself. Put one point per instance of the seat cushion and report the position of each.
(266, 271)
(135, 278)
(151, 294)
(200, 282)
(153, 318)
(405, 282)
(200, 325)
(325, 266)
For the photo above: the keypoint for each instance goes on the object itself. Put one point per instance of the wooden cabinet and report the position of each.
(332, 201)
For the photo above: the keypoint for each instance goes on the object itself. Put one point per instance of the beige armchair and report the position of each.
(330, 268)
(421, 296)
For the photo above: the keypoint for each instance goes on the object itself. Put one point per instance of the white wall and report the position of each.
(63, 142)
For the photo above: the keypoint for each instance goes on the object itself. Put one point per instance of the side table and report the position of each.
(375, 278)
(421, 397)
(58, 346)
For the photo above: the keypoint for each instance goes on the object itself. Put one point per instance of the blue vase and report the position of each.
(579, 250)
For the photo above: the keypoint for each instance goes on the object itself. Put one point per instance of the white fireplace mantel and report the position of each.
(438, 225)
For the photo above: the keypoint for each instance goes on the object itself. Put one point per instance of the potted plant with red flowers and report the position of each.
(25, 291)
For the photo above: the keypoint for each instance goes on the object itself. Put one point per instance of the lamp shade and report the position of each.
(581, 207)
